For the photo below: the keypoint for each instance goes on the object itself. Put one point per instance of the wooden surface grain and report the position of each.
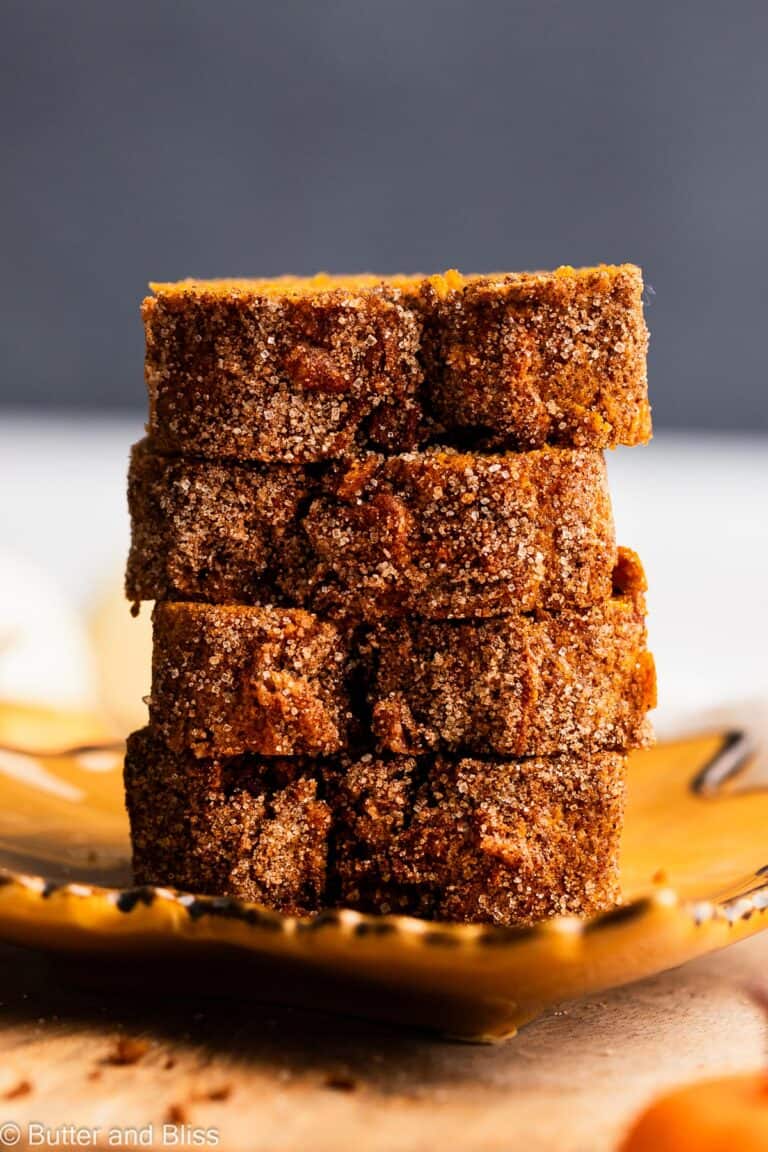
(271, 1079)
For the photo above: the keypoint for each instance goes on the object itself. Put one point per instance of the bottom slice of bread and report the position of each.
(245, 826)
(501, 841)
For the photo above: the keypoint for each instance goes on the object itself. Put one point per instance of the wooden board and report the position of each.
(288, 1081)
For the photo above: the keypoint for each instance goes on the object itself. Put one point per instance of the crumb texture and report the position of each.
(443, 533)
(279, 377)
(500, 841)
(516, 685)
(509, 842)
(282, 682)
(231, 680)
(438, 534)
(243, 828)
(211, 531)
(298, 371)
(557, 358)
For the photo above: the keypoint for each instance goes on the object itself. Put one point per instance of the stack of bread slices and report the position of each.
(399, 659)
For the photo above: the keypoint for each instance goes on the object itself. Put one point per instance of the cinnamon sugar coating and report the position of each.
(450, 534)
(534, 358)
(211, 531)
(439, 533)
(257, 371)
(302, 370)
(505, 841)
(322, 586)
(245, 827)
(517, 685)
(228, 680)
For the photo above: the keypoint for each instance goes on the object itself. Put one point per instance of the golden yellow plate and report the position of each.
(694, 876)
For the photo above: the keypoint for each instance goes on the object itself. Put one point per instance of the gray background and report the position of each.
(161, 138)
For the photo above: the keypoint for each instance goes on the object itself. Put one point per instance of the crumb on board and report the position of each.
(128, 1050)
(216, 1095)
(21, 1088)
(340, 1082)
